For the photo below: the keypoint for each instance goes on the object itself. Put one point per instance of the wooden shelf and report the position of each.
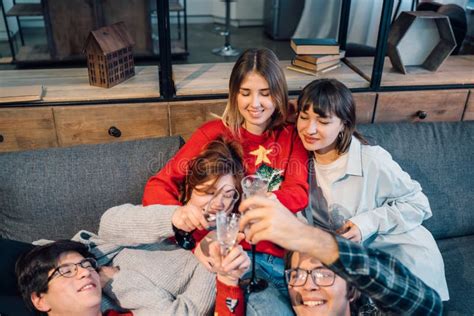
(69, 85)
(455, 70)
(26, 9)
(198, 79)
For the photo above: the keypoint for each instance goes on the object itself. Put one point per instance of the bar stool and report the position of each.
(227, 50)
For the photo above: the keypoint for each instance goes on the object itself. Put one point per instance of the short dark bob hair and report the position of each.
(33, 266)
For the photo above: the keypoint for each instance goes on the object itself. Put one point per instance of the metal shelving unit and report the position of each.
(19, 10)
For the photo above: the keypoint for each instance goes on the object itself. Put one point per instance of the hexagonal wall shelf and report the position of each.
(420, 38)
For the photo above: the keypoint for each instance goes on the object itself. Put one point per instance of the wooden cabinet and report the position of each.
(26, 128)
(469, 113)
(415, 106)
(186, 117)
(100, 124)
(41, 127)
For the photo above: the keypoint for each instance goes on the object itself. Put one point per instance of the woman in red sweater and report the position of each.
(255, 116)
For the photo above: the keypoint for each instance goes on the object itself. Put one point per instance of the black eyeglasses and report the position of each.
(69, 270)
(321, 277)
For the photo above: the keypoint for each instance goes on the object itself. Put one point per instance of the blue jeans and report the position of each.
(274, 300)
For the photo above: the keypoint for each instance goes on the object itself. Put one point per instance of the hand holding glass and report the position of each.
(223, 200)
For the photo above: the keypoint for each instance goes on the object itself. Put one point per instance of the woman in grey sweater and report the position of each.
(147, 273)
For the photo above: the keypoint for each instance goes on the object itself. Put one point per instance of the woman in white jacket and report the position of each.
(358, 191)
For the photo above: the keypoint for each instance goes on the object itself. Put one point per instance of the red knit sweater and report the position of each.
(278, 150)
(230, 300)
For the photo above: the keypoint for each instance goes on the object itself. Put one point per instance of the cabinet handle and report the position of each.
(115, 132)
(1, 138)
(421, 115)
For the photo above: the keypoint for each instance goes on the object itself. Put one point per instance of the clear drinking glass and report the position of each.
(254, 185)
(227, 228)
(223, 200)
(336, 221)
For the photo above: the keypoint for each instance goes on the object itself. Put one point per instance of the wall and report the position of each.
(242, 12)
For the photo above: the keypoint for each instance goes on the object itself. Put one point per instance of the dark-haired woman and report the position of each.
(358, 190)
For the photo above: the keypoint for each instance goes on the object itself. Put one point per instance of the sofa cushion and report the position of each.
(439, 156)
(53, 193)
(458, 255)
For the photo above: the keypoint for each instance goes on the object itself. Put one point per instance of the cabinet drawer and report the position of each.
(469, 114)
(26, 128)
(101, 124)
(414, 106)
(186, 117)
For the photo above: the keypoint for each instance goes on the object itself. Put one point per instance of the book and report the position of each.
(318, 59)
(311, 72)
(314, 67)
(314, 46)
(21, 94)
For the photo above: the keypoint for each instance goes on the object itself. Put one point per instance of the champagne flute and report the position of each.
(227, 228)
(254, 185)
(223, 200)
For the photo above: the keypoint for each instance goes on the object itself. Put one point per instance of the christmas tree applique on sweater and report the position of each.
(265, 171)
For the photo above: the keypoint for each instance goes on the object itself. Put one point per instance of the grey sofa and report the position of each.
(440, 157)
(53, 193)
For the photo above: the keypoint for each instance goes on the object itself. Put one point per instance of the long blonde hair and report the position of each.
(265, 63)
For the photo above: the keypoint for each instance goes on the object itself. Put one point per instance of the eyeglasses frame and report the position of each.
(57, 271)
(309, 272)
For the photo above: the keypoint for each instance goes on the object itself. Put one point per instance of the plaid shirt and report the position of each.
(378, 275)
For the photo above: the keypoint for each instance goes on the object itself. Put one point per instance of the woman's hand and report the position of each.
(233, 265)
(350, 231)
(202, 251)
(189, 217)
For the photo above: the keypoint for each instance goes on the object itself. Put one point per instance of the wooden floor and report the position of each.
(69, 85)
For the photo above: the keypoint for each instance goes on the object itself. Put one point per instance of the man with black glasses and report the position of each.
(336, 267)
(61, 278)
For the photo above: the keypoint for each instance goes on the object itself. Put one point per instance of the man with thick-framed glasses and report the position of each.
(323, 270)
(61, 278)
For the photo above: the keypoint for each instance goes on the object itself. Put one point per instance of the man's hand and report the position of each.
(268, 219)
(106, 274)
(188, 218)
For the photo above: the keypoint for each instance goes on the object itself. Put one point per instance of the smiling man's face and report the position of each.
(312, 299)
(75, 295)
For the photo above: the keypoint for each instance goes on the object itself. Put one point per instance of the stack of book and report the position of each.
(315, 56)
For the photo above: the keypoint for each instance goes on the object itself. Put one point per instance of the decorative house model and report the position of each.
(420, 38)
(109, 55)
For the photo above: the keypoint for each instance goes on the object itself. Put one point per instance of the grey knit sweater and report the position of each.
(156, 277)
